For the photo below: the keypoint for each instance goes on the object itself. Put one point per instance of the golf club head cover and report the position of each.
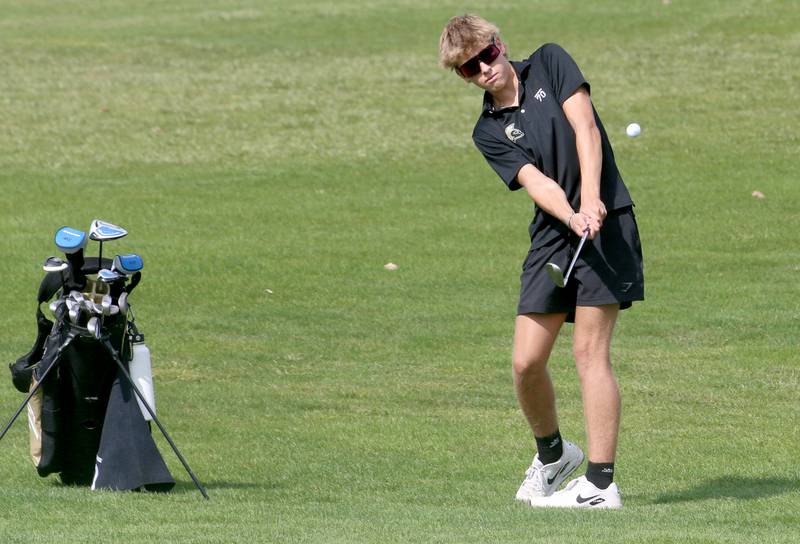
(72, 241)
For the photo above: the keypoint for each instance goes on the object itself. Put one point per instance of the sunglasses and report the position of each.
(472, 67)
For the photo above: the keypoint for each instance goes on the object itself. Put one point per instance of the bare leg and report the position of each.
(594, 326)
(534, 336)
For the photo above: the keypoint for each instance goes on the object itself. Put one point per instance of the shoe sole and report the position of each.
(576, 507)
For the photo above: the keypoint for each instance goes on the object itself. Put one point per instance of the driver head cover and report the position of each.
(70, 240)
(103, 230)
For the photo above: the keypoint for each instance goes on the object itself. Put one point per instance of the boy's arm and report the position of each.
(550, 197)
(579, 112)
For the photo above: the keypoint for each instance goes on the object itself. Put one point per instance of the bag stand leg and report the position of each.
(70, 337)
(113, 352)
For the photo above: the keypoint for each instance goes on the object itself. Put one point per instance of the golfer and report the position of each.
(539, 131)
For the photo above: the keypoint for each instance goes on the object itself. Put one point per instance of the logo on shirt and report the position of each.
(540, 95)
(513, 133)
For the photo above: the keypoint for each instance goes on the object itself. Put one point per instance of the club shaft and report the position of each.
(575, 257)
(76, 262)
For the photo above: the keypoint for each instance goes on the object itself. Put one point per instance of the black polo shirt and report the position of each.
(538, 132)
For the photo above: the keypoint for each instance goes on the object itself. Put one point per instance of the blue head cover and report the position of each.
(70, 240)
(128, 264)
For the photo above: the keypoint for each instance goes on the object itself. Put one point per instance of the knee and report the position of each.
(590, 356)
(528, 365)
(582, 352)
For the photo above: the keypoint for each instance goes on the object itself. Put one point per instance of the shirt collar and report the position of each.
(521, 68)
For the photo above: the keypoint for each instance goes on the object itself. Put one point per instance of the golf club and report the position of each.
(135, 279)
(102, 231)
(71, 242)
(108, 276)
(97, 308)
(94, 327)
(127, 264)
(72, 309)
(74, 306)
(87, 305)
(555, 272)
(105, 306)
(54, 264)
(123, 302)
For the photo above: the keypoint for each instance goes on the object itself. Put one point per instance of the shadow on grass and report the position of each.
(187, 486)
(265, 486)
(183, 487)
(732, 487)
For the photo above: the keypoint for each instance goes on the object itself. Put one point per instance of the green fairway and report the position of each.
(268, 159)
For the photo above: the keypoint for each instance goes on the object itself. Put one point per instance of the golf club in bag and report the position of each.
(88, 418)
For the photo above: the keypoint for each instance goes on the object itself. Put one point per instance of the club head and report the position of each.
(123, 302)
(94, 327)
(105, 307)
(70, 240)
(54, 264)
(102, 231)
(109, 276)
(127, 264)
(555, 274)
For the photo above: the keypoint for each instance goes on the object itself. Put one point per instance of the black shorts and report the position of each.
(608, 270)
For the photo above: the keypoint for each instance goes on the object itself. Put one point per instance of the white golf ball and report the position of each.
(633, 130)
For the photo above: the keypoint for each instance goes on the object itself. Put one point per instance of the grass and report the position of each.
(268, 160)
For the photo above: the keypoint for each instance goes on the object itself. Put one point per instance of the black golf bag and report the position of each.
(84, 419)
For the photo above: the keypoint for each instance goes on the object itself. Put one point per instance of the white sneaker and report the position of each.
(581, 493)
(542, 480)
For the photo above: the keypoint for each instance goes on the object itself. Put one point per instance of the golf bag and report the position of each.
(85, 422)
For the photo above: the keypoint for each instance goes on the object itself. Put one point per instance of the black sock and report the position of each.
(550, 448)
(600, 474)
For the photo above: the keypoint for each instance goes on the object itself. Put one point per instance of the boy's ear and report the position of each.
(501, 45)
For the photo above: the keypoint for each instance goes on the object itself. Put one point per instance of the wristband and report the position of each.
(569, 220)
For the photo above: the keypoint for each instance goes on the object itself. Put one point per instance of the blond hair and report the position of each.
(463, 34)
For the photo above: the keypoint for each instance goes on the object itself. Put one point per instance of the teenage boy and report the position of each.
(538, 130)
